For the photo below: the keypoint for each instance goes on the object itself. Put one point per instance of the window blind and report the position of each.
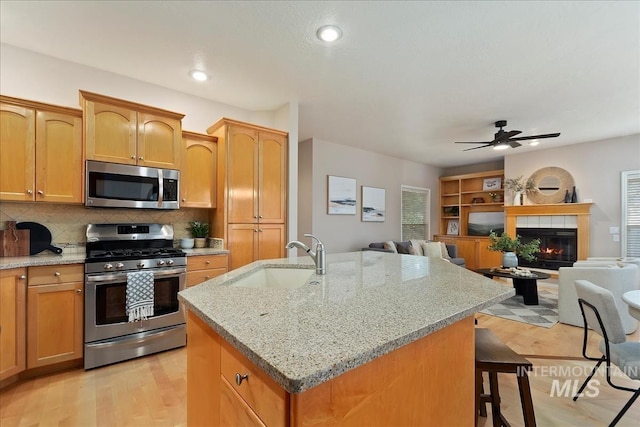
(630, 214)
(416, 215)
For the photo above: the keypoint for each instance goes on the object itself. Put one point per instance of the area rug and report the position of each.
(545, 314)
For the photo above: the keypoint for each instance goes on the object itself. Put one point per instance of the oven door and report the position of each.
(105, 296)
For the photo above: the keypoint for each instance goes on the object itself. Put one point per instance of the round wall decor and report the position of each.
(551, 183)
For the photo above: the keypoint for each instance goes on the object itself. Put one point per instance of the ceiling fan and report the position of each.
(505, 139)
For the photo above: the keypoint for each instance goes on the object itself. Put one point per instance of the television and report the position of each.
(482, 223)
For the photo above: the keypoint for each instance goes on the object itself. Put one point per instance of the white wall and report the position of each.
(342, 233)
(595, 167)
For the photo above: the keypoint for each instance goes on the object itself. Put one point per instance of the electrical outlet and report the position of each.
(614, 230)
(616, 237)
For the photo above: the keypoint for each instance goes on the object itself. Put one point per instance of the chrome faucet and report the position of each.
(319, 256)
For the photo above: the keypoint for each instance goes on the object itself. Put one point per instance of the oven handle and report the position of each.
(115, 277)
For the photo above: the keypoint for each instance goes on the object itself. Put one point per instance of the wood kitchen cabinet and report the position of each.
(119, 131)
(251, 191)
(198, 172)
(474, 251)
(251, 242)
(12, 321)
(40, 152)
(55, 308)
(201, 268)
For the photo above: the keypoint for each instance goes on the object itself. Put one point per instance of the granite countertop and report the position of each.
(368, 304)
(77, 257)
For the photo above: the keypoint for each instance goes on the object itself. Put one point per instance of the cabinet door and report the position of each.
(242, 244)
(110, 133)
(271, 241)
(233, 410)
(159, 141)
(54, 323)
(198, 173)
(17, 153)
(272, 178)
(12, 321)
(468, 249)
(242, 175)
(58, 158)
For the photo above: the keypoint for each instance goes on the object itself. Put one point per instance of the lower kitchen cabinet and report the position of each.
(253, 242)
(201, 268)
(55, 301)
(12, 321)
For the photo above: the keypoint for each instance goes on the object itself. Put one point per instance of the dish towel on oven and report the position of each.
(139, 304)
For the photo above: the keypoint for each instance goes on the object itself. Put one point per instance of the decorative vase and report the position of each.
(201, 242)
(567, 197)
(517, 199)
(574, 196)
(509, 259)
(186, 243)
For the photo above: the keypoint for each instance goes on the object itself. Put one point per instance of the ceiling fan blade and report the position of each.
(473, 142)
(514, 144)
(506, 135)
(524, 138)
(475, 148)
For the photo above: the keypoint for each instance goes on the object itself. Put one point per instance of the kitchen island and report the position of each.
(381, 339)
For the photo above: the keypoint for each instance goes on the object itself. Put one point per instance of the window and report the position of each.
(630, 232)
(416, 216)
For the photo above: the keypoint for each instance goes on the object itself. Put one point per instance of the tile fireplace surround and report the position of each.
(570, 215)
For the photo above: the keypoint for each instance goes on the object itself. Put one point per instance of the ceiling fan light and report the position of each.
(500, 147)
(199, 75)
(534, 143)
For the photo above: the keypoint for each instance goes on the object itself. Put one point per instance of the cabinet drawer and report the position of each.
(202, 262)
(56, 274)
(233, 410)
(199, 276)
(266, 398)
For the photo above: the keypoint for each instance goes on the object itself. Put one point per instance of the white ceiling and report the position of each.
(407, 79)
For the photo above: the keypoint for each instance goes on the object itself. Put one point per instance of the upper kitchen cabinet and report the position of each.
(40, 152)
(198, 172)
(119, 131)
(251, 184)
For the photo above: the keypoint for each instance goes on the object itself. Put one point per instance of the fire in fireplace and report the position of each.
(558, 247)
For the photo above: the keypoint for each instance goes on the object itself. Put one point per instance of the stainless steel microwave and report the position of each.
(123, 186)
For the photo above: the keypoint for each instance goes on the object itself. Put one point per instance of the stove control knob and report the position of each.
(170, 262)
(108, 266)
(160, 263)
(140, 264)
(119, 265)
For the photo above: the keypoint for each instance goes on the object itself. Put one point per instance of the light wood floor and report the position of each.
(151, 391)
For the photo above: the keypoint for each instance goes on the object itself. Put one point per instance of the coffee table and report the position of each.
(525, 286)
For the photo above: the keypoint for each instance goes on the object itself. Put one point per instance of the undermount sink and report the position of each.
(281, 278)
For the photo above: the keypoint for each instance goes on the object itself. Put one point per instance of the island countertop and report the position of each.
(367, 305)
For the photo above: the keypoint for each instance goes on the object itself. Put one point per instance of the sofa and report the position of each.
(416, 247)
(618, 278)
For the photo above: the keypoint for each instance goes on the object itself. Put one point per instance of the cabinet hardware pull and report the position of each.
(29, 192)
(57, 274)
(22, 277)
(260, 230)
(78, 291)
(40, 192)
(133, 157)
(184, 200)
(255, 230)
(240, 378)
(259, 216)
(207, 277)
(140, 158)
(207, 262)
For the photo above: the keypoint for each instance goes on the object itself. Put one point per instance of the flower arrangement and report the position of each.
(504, 243)
(517, 185)
(198, 229)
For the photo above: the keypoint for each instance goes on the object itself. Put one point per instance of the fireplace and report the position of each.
(558, 247)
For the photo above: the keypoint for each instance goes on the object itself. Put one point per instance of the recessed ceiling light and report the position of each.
(500, 147)
(199, 75)
(329, 33)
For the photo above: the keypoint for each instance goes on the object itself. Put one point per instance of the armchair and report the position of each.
(617, 280)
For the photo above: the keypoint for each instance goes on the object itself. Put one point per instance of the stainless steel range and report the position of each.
(114, 251)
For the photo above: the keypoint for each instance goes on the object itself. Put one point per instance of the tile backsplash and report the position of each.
(67, 223)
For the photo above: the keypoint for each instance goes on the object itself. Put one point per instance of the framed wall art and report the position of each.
(490, 184)
(373, 204)
(453, 227)
(341, 195)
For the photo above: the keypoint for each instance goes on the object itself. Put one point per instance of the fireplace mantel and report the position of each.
(581, 210)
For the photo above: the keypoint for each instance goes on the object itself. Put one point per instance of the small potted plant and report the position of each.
(200, 232)
(513, 248)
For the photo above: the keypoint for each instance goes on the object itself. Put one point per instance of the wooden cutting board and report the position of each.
(14, 242)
